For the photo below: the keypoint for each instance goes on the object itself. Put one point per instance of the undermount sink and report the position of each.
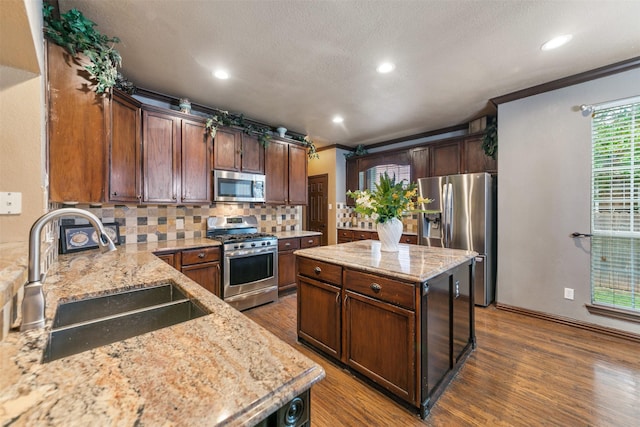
(92, 322)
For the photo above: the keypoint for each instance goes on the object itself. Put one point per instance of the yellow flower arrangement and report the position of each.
(390, 199)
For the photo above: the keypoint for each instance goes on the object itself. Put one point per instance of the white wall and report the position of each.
(544, 173)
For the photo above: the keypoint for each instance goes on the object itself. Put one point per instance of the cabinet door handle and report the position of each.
(457, 289)
(201, 255)
(115, 193)
(317, 270)
(375, 287)
(337, 297)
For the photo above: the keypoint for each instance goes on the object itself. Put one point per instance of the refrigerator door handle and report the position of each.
(445, 214)
(451, 213)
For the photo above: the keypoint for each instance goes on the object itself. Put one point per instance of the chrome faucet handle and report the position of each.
(33, 303)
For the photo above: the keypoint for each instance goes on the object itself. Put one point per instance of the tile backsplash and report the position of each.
(152, 223)
(347, 217)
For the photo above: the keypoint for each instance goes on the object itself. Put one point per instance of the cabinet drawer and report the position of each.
(197, 256)
(388, 290)
(345, 234)
(288, 244)
(363, 235)
(309, 242)
(409, 239)
(320, 270)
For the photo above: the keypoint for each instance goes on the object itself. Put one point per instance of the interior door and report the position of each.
(317, 211)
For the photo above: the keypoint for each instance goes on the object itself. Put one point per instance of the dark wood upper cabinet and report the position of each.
(77, 130)
(234, 150)
(297, 175)
(474, 159)
(445, 159)
(196, 163)
(276, 170)
(352, 178)
(125, 168)
(286, 171)
(420, 166)
(227, 149)
(252, 154)
(161, 157)
(176, 158)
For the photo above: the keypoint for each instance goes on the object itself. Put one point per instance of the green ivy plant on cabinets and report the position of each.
(74, 32)
(263, 133)
(490, 138)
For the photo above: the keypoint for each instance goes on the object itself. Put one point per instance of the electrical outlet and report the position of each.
(179, 224)
(10, 203)
(278, 219)
(568, 293)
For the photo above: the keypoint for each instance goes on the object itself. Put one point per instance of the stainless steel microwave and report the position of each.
(238, 187)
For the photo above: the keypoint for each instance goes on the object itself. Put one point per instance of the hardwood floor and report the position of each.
(524, 372)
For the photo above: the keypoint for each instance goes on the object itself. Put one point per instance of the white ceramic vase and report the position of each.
(389, 234)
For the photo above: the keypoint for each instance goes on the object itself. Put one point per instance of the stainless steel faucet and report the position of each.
(33, 301)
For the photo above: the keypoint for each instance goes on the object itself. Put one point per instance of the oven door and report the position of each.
(249, 270)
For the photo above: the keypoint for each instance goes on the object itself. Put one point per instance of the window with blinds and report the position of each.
(372, 175)
(615, 205)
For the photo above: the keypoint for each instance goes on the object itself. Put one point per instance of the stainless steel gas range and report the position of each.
(249, 261)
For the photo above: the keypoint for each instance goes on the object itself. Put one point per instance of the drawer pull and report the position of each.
(287, 244)
(310, 241)
(375, 287)
(317, 270)
(201, 255)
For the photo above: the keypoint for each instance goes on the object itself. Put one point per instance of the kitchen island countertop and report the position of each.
(219, 369)
(412, 262)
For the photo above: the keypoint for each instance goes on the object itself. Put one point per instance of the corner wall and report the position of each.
(544, 192)
(22, 128)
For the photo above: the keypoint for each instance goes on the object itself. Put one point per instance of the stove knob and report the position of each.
(253, 245)
(235, 246)
(268, 243)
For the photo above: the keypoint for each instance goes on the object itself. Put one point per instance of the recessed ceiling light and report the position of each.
(386, 67)
(556, 42)
(221, 74)
(338, 119)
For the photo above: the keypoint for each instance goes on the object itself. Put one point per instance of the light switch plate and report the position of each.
(10, 203)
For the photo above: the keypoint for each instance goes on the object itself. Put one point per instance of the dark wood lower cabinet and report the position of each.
(206, 275)
(287, 260)
(319, 310)
(379, 343)
(409, 338)
(202, 265)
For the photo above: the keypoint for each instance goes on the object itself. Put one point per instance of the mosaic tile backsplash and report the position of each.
(153, 223)
(346, 217)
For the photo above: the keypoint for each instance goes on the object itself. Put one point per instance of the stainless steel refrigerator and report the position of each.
(465, 219)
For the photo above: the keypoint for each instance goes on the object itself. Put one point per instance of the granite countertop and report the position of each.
(218, 369)
(412, 262)
(293, 234)
(356, 228)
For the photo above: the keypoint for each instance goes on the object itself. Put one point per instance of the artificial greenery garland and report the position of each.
(263, 133)
(74, 32)
(490, 138)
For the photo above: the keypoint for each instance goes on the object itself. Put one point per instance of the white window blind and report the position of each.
(615, 210)
(399, 171)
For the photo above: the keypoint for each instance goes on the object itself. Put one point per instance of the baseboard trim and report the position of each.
(571, 322)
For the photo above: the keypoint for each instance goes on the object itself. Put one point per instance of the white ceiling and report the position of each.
(298, 63)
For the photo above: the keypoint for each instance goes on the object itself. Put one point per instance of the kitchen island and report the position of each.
(403, 320)
(218, 369)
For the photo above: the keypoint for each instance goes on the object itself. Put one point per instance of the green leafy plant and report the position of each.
(390, 199)
(263, 133)
(74, 32)
(312, 152)
(490, 138)
(359, 151)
